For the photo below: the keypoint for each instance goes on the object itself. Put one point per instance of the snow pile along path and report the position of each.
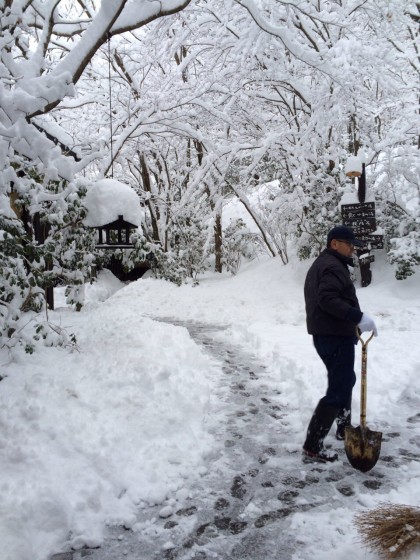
(86, 437)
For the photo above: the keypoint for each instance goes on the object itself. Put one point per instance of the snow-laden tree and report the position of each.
(179, 118)
(267, 91)
(348, 81)
(396, 169)
(45, 47)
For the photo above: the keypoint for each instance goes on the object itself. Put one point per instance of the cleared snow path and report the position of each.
(244, 505)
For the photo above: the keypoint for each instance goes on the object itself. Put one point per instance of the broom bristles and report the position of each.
(390, 529)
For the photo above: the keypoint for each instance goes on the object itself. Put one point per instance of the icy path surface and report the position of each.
(243, 506)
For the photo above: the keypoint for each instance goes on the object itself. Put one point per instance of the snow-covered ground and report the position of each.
(87, 436)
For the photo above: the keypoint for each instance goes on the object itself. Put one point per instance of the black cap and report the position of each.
(344, 233)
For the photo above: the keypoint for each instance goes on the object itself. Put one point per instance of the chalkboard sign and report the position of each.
(358, 211)
(361, 226)
(360, 217)
(375, 241)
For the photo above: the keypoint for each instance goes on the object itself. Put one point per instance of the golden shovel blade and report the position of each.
(363, 447)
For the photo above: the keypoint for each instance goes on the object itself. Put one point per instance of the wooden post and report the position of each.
(361, 191)
(40, 233)
(364, 263)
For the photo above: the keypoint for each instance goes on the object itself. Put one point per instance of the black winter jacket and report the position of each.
(332, 307)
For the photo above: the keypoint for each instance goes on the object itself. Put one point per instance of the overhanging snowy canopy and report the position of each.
(108, 199)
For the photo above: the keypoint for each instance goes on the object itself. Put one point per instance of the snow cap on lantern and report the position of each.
(354, 166)
(107, 199)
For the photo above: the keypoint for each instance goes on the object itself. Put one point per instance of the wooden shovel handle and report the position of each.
(363, 380)
(364, 342)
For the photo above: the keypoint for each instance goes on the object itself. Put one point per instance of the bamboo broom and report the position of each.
(390, 529)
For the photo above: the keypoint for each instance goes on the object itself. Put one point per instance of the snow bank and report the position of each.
(86, 437)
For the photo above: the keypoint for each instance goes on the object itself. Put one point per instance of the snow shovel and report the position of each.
(362, 445)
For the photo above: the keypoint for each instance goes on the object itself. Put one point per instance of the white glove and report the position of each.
(367, 324)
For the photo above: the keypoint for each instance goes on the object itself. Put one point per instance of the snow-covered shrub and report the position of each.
(47, 246)
(166, 265)
(238, 243)
(75, 295)
(70, 245)
(125, 261)
(143, 251)
(305, 211)
(405, 254)
(187, 254)
(18, 290)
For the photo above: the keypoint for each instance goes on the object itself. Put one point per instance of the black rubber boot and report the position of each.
(319, 426)
(343, 420)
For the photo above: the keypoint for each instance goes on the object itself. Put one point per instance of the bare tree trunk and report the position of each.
(245, 202)
(154, 216)
(218, 243)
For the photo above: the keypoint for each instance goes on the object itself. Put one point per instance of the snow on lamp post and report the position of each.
(354, 166)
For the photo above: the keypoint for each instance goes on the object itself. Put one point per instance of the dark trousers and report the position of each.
(337, 353)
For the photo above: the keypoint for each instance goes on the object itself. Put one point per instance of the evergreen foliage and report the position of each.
(187, 252)
(238, 243)
(48, 246)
